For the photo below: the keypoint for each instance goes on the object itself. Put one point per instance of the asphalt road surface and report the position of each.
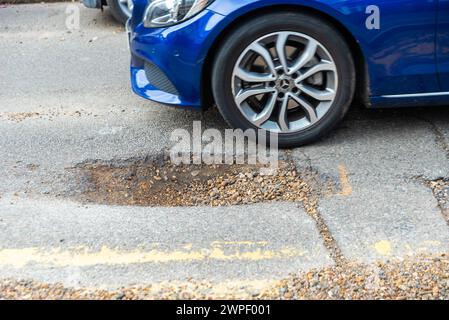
(65, 99)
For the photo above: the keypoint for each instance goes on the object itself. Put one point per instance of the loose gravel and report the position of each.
(419, 277)
(413, 278)
(166, 184)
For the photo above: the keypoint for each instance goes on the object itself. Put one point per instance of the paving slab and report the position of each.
(390, 145)
(379, 161)
(383, 220)
(114, 246)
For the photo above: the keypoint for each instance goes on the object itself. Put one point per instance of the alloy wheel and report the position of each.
(284, 82)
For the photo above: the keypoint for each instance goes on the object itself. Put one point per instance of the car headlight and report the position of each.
(163, 13)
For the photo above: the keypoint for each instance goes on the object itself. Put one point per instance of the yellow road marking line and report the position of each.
(386, 248)
(383, 247)
(83, 256)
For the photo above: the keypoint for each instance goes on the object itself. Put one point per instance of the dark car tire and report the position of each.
(240, 38)
(117, 11)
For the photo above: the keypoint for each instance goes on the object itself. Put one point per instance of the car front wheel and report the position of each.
(288, 73)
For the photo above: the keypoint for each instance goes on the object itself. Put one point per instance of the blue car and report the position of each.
(292, 67)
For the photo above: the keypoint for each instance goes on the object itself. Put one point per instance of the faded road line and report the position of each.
(387, 248)
(83, 256)
(346, 188)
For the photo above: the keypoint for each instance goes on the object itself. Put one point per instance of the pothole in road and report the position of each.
(161, 183)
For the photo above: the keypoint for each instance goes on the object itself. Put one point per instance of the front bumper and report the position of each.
(167, 63)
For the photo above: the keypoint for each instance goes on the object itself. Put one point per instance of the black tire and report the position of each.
(240, 38)
(117, 12)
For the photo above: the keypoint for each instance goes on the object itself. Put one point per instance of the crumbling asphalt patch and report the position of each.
(162, 183)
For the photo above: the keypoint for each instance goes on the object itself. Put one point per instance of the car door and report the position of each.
(443, 44)
(402, 51)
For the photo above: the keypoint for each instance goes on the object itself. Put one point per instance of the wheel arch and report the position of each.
(362, 75)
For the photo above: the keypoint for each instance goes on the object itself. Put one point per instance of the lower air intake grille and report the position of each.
(158, 79)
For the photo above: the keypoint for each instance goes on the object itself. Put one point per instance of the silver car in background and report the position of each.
(120, 9)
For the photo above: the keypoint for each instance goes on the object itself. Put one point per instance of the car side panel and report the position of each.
(400, 55)
(443, 44)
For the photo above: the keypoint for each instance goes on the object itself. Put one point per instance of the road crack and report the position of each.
(440, 186)
(440, 139)
(321, 187)
(440, 190)
(329, 241)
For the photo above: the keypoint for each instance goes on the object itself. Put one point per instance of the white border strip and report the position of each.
(416, 95)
